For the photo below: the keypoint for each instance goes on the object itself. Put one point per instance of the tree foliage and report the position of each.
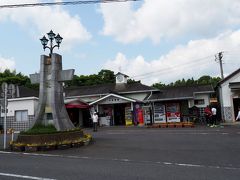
(11, 77)
(189, 82)
(104, 76)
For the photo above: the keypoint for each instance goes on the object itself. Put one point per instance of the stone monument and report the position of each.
(51, 108)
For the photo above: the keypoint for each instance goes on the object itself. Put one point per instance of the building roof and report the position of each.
(181, 92)
(24, 92)
(27, 92)
(229, 77)
(122, 74)
(104, 89)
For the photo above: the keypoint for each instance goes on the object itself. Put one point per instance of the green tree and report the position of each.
(159, 85)
(106, 76)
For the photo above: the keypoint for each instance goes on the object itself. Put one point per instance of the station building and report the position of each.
(117, 104)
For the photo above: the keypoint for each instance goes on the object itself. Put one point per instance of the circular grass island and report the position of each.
(46, 137)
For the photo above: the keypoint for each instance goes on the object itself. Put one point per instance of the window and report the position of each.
(21, 116)
(49, 116)
(198, 101)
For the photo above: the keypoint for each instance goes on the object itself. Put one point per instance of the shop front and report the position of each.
(170, 111)
(78, 112)
(114, 110)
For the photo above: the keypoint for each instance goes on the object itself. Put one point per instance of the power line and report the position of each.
(62, 3)
(173, 69)
(189, 63)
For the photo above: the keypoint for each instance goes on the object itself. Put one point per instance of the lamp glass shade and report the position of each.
(58, 39)
(51, 34)
(44, 41)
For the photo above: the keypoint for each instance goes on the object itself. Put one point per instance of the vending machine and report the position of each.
(173, 112)
(159, 113)
(147, 115)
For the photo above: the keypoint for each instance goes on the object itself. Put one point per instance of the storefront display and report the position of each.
(159, 113)
(105, 115)
(147, 114)
(128, 116)
(173, 112)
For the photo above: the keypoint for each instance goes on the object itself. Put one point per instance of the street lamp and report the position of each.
(51, 37)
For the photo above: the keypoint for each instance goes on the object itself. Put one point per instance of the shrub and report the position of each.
(40, 129)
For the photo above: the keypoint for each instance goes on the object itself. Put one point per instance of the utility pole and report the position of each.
(4, 107)
(218, 58)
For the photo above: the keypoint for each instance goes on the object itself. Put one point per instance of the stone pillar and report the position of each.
(51, 108)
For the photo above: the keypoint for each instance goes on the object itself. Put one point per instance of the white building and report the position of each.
(21, 109)
(229, 95)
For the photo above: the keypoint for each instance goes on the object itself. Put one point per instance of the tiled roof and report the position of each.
(180, 92)
(25, 92)
(107, 88)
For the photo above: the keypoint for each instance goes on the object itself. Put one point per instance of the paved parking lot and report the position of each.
(137, 153)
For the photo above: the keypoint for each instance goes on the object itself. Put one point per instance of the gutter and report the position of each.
(149, 96)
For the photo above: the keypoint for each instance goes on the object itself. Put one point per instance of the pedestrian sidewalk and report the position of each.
(230, 123)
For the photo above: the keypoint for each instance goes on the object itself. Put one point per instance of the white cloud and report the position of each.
(40, 20)
(192, 60)
(157, 19)
(6, 63)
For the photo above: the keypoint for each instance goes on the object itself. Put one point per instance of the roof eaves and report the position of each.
(141, 91)
(115, 95)
(203, 92)
(228, 77)
(169, 99)
(83, 96)
(23, 98)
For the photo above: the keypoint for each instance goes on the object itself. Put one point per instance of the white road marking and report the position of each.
(224, 133)
(126, 161)
(24, 177)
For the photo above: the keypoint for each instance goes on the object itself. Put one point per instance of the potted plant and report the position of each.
(77, 143)
(64, 144)
(18, 146)
(32, 147)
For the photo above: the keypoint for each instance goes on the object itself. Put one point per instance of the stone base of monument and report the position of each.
(53, 141)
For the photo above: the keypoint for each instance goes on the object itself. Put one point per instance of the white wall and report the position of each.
(21, 104)
(226, 98)
(206, 98)
(139, 96)
(226, 91)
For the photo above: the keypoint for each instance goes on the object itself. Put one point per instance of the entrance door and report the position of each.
(87, 121)
(236, 104)
(119, 114)
(73, 114)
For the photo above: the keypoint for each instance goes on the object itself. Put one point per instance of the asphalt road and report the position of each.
(135, 154)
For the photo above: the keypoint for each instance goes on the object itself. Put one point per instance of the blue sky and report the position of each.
(151, 40)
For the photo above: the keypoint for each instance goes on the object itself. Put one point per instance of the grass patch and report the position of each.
(45, 129)
(40, 129)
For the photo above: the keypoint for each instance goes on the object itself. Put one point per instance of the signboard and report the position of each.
(173, 112)
(159, 113)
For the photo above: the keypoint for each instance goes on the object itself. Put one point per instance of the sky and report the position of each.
(149, 40)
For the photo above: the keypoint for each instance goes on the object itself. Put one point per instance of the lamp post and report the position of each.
(51, 37)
